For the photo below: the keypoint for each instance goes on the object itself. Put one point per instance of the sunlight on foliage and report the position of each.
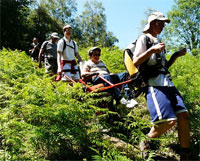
(46, 120)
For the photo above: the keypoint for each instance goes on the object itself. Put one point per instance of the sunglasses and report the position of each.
(158, 22)
(68, 29)
(96, 54)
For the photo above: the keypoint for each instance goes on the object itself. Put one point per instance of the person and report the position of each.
(95, 65)
(165, 103)
(34, 49)
(67, 51)
(49, 49)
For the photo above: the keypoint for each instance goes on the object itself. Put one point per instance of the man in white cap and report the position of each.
(67, 51)
(49, 49)
(165, 103)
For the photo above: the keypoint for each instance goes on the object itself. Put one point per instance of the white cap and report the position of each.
(90, 51)
(155, 16)
(66, 26)
(55, 35)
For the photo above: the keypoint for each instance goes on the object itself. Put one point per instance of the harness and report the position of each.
(139, 75)
(149, 71)
(45, 49)
(72, 62)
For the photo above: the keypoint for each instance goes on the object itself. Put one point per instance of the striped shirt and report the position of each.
(100, 67)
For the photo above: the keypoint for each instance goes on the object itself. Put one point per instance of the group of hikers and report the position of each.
(165, 104)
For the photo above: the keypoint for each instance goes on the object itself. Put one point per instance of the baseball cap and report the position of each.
(66, 26)
(55, 35)
(92, 49)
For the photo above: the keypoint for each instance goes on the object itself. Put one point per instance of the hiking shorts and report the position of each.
(164, 103)
(51, 66)
(74, 76)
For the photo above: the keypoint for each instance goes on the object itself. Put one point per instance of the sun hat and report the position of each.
(90, 51)
(55, 35)
(66, 26)
(155, 16)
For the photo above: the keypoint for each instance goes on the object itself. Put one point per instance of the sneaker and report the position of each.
(131, 103)
(123, 101)
(128, 103)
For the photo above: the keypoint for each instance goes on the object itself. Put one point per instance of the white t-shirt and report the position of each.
(161, 79)
(68, 53)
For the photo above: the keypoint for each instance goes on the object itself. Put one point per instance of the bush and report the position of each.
(186, 77)
(41, 119)
(46, 120)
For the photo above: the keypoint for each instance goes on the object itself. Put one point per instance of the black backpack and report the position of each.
(138, 84)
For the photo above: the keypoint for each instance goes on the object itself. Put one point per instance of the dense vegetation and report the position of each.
(45, 120)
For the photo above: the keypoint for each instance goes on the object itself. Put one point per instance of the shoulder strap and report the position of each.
(65, 44)
(74, 46)
(149, 41)
(149, 44)
(45, 45)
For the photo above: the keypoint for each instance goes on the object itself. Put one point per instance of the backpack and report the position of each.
(138, 83)
(65, 44)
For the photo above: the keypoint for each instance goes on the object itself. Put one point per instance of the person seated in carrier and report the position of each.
(95, 65)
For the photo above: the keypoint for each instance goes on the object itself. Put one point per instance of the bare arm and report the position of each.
(141, 58)
(78, 57)
(85, 70)
(59, 61)
(40, 57)
(177, 54)
(85, 73)
(30, 51)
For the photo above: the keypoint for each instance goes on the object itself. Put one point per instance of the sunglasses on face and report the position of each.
(160, 22)
(96, 54)
(68, 29)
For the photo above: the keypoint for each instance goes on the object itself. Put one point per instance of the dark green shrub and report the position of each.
(41, 119)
